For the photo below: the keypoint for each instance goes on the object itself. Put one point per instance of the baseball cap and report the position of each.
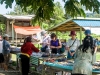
(5, 35)
(43, 32)
(87, 32)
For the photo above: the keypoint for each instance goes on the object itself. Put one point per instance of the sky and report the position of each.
(4, 10)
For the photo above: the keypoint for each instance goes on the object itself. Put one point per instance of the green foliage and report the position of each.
(2, 29)
(65, 35)
(57, 18)
(18, 11)
(97, 56)
(14, 63)
(7, 2)
(44, 9)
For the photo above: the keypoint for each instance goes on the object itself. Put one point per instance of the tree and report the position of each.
(44, 9)
(2, 29)
(56, 19)
(18, 11)
(58, 15)
(93, 15)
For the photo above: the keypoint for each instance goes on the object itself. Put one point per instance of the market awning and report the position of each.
(27, 30)
(67, 25)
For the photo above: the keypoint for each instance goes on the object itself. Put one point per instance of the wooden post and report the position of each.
(7, 31)
(80, 35)
(12, 22)
(16, 39)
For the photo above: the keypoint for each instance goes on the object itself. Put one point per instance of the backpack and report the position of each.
(62, 49)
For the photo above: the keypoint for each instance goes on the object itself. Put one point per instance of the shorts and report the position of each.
(1, 58)
(7, 57)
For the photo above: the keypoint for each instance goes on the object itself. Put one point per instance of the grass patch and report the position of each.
(97, 56)
(13, 57)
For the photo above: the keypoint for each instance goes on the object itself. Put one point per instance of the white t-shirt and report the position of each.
(1, 46)
(45, 40)
(75, 45)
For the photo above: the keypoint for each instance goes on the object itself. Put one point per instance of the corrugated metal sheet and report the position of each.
(18, 17)
(87, 23)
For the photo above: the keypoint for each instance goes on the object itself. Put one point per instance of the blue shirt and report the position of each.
(6, 47)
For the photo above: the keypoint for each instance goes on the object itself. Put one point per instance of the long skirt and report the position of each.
(82, 67)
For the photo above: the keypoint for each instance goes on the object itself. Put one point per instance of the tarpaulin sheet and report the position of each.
(27, 30)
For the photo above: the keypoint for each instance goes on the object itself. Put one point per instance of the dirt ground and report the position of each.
(12, 72)
(9, 72)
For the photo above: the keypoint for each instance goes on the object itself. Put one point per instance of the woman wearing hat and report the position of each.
(45, 42)
(72, 44)
(88, 33)
(84, 58)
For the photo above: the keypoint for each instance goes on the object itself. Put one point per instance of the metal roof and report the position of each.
(76, 23)
(24, 17)
(67, 25)
(87, 23)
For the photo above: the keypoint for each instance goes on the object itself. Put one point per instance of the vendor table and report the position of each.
(37, 61)
(67, 68)
(40, 60)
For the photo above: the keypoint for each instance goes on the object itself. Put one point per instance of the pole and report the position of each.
(12, 22)
(80, 35)
(16, 39)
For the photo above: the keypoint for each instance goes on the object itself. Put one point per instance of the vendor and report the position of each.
(55, 44)
(26, 50)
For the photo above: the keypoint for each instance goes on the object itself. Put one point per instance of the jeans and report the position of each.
(69, 56)
(43, 49)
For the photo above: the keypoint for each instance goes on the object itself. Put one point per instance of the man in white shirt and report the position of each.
(1, 45)
(1, 55)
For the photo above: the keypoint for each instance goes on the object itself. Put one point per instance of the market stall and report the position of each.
(68, 25)
(29, 30)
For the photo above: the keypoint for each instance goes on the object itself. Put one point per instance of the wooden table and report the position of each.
(40, 60)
